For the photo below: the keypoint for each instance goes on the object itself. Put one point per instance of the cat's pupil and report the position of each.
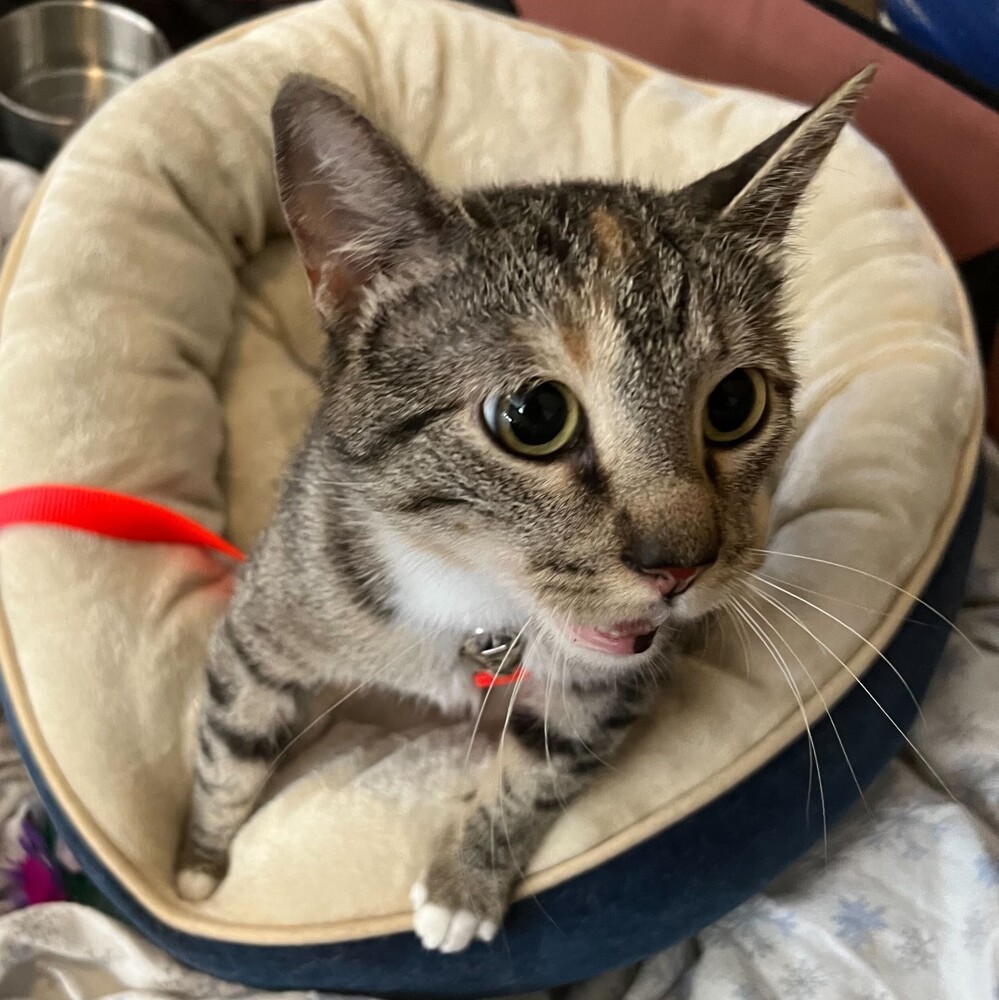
(732, 401)
(537, 415)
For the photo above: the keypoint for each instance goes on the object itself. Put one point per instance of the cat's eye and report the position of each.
(537, 421)
(735, 407)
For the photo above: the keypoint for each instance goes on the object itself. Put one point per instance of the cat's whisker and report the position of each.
(716, 636)
(878, 579)
(743, 638)
(569, 719)
(502, 797)
(548, 754)
(839, 621)
(804, 627)
(499, 759)
(489, 690)
(815, 687)
(831, 597)
(792, 684)
(812, 755)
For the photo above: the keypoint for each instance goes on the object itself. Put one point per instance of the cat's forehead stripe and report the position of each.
(609, 234)
(577, 343)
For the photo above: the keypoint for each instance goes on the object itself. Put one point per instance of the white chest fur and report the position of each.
(432, 592)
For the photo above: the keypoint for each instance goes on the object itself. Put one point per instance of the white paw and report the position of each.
(444, 930)
(196, 884)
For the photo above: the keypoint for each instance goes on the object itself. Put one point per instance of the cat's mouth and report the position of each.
(621, 639)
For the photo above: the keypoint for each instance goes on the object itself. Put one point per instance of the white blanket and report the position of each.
(904, 904)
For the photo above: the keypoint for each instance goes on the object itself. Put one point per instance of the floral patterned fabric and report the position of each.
(901, 904)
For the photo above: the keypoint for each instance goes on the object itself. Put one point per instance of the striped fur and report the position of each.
(402, 525)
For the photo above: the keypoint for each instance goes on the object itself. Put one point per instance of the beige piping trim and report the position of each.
(183, 918)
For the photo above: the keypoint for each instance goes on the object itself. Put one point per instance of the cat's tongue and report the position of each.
(624, 639)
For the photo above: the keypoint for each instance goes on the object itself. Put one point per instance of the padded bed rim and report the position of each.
(173, 913)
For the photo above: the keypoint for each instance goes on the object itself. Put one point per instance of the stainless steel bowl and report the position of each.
(62, 59)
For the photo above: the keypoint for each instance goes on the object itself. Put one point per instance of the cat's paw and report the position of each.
(445, 929)
(197, 884)
(458, 900)
(198, 872)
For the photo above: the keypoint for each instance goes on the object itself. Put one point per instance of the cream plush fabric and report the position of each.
(157, 339)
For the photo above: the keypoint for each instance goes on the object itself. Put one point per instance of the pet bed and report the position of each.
(157, 339)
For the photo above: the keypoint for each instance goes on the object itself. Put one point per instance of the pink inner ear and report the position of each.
(336, 288)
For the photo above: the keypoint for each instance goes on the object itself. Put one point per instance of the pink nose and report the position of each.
(673, 580)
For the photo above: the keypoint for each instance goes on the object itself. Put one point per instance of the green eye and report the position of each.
(536, 421)
(735, 407)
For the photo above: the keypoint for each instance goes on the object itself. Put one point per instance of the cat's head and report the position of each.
(562, 401)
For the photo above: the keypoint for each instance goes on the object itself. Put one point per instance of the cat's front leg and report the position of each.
(539, 768)
(253, 707)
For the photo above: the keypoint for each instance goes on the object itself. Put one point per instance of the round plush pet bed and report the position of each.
(158, 340)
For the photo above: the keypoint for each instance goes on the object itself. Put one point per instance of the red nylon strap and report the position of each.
(101, 512)
(118, 515)
(484, 679)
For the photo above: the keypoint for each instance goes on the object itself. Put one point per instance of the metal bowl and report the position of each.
(59, 61)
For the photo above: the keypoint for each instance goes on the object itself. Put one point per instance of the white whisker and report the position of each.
(499, 764)
(792, 684)
(572, 724)
(743, 638)
(328, 711)
(548, 754)
(489, 691)
(502, 798)
(818, 691)
(797, 620)
(878, 579)
(831, 597)
(839, 621)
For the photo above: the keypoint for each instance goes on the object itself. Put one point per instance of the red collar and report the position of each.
(484, 679)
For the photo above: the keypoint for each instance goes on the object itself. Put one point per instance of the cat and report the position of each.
(547, 410)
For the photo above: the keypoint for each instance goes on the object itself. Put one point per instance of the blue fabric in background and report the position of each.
(964, 33)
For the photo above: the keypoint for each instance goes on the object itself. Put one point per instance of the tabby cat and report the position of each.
(549, 410)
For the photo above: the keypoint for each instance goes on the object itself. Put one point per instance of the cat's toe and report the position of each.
(445, 930)
(418, 895)
(197, 884)
(461, 932)
(431, 923)
(487, 930)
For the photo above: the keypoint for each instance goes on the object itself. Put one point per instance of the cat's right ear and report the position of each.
(356, 206)
(759, 192)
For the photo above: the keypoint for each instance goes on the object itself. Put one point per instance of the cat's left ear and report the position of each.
(759, 192)
(356, 205)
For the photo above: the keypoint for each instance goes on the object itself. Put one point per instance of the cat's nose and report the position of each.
(652, 561)
(673, 580)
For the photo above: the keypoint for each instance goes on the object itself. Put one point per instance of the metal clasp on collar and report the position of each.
(495, 655)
